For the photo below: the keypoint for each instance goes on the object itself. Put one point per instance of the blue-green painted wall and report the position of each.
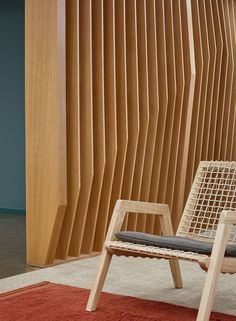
(12, 123)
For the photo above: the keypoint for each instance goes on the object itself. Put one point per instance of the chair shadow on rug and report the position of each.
(206, 234)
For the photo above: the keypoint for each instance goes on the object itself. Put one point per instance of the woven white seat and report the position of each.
(209, 215)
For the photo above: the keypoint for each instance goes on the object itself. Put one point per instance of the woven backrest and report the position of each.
(213, 190)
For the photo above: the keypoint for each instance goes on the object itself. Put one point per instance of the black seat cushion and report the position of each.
(172, 242)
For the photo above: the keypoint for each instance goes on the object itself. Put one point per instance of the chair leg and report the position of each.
(99, 281)
(176, 273)
(208, 295)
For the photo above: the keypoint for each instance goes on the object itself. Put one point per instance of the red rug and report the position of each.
(48, 302)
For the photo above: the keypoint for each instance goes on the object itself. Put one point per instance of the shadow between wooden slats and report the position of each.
(110, 120)
(223, 83)
(153, 106)
(143, 107)
(227, 122)
(86, 124)
(212, 68)
(190, 76)
(197, 95)
(45, 128)
(232, 16)
(163, 101)
(216, 89)
(171, 76)
(72, 125)
(132, 99)
(178, 110)
(122, 113)
(98, 123)
(205, 81)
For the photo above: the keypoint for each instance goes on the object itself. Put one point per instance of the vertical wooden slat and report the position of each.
(110, 119)
(227, 124)
(98, 124)
(234, 140)
(153, 106)
(223, 83)
(190, 76)
(143, 107)
(216, 90)
(86, 124)
(72, 124)
(231, 137)
(171, 76)
(197, 94)
(45, 127)
(132, 98)
(178, 110)
(212, 47)
(163, 103)
(205, 81)
(121, 102)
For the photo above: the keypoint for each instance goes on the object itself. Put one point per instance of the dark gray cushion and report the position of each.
(172, 242)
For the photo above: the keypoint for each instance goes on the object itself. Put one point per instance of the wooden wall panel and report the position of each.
(46, 195)
(153, 105)
(110, 117)
(98, 123)
(122, 111)
(132, 99)
(216, 90)
(190, 77)
(143, 107)
(72, 124)
(150, 90)
(163, 103)
(86, 124)
(197, 95)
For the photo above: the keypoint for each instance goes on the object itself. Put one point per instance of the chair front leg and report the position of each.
(99, 281)
(213, 272)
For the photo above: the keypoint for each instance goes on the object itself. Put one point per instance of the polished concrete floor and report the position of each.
(143, 278)
(12, 245)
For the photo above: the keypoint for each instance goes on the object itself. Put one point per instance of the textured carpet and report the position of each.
(48, 302)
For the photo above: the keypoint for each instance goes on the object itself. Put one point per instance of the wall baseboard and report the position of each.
(15, 211)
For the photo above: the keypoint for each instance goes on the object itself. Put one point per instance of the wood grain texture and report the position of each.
(228, 112)
(86, 122)
(190, 77)
(132, 99)
(163, 103)
(121, 101)
(153, 105)
(210, 87)
(143, 107)
(205, 81)
(45, 86)
(197, 95)
(216, 90)
(110, 118)
(171, 76)
(98, 124)
(178, 109)
(223, 83)
(72, 124)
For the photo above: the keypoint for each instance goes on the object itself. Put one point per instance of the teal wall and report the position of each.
(12, 123)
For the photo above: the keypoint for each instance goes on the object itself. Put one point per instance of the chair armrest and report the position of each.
(122, 207)
(143, 207)
(228, 217)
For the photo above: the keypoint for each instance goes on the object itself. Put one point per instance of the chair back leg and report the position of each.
(96, 290)
(176, 274)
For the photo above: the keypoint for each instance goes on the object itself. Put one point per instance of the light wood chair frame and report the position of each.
(214, 264)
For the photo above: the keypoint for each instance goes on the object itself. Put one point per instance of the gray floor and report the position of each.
(12, 245)
(143, 278)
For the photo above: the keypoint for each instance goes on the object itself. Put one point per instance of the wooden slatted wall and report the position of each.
(150, 89)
